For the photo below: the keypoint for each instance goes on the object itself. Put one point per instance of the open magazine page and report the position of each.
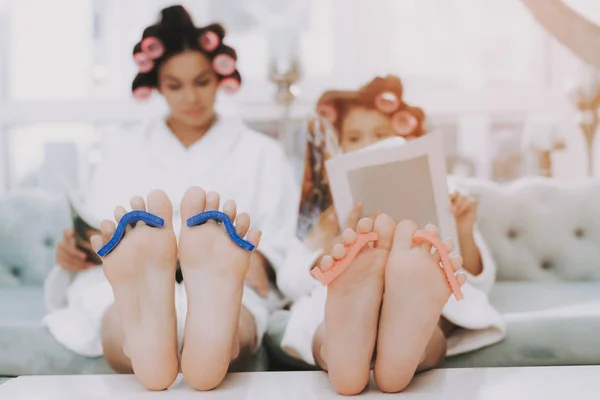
(84, 226)
(405, 179)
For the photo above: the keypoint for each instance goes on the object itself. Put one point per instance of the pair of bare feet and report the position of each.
(390, 298)
(141, 271)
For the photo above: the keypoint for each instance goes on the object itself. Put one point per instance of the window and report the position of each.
(454, 56)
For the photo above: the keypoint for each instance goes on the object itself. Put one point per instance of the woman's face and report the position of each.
(189, 84)
(362, 127)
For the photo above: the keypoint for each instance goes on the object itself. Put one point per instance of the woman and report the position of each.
(97, 312)
(362, 118)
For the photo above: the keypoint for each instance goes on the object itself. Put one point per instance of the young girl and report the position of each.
(336, 327)
(132, 311)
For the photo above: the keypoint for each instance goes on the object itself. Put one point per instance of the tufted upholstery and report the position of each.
(31, 224)
(539, 229)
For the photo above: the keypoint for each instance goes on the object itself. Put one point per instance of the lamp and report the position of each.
(541, 136)
(585, 95)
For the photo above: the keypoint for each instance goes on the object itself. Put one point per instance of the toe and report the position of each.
(365, 225)
(384, 227)
(433, 231)
(461, 277)
(403, 235)
(138, 203)
(119, 213)
(242, 224)
(192, 203)
(457, 262)
(97, 242)
(449, 243)
(108, 230)
(230, 209)
(348, 237)
(160, 205)
(254, 237)
(338, 252)
(326, 263)
(212, 201)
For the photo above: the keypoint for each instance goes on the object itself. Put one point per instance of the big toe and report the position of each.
(160, 205)
(193, 203)
(403, 235)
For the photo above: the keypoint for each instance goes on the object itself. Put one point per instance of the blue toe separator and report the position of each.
(130, 218)
(221, 217)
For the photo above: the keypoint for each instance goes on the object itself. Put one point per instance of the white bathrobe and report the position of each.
(235, 161)
(480, 325)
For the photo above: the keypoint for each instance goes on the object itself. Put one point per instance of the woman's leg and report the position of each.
(142, 322)
(218, 328)
(113, 340)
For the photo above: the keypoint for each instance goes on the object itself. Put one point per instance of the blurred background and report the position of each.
(502, 88)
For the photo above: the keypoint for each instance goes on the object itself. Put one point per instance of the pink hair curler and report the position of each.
(404, 123)
(387, 102)
(224, 64)
(144, 63)
(209, 41)
(229, 85)
(142, 93)
(152, 47)
(328, 112)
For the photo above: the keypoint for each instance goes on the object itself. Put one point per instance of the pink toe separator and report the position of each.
(421, 236)
(340, 266)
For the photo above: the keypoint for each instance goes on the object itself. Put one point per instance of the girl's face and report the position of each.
(362, 127)
(189, 85)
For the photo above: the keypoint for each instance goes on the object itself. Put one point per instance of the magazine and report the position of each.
(84, 226)
(405, 179)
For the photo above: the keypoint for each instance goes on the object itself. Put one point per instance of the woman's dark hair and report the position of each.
(175, 33)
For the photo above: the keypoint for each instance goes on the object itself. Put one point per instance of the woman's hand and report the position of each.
(68, 256)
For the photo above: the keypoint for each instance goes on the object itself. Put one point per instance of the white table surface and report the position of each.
(563, 383)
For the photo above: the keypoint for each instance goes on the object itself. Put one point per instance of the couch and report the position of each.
(545, 237)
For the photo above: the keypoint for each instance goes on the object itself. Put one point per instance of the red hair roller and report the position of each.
(404, 123)
(224, 64)
(387, 102)
(144, 63)
(328, 112)
(152, 47)
(209, 41)
(229, 85)
(142, 93)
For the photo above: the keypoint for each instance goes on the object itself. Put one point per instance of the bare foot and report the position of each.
(416, 291)
(141, 271)
(352, 307)
(213, 268)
